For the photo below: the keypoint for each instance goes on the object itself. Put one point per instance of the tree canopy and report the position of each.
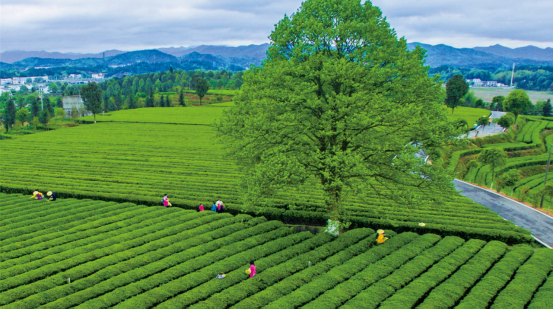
(517, 102)
(456, 88)
(339, 101)
(92, 98)
(202, 88)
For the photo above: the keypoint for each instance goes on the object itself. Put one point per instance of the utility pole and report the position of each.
(513, 69)
(546, 174)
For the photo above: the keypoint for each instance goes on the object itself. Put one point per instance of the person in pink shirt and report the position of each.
(252, 269)
(166, 200)
(201, 208)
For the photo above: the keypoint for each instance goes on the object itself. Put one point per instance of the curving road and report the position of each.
(538, 223)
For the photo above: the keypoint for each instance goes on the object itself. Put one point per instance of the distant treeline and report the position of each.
(525, 77)
(59, 73)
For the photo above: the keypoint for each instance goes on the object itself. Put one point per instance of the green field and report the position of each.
(139, 162)
(91, 254)
(202, 115)
(471, 115)
(487, 93)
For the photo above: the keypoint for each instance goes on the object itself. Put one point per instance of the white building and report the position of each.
(74, 101)
(98, 75)
(74, 76)
(5, 81)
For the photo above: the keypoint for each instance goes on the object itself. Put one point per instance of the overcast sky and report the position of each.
(98, 25)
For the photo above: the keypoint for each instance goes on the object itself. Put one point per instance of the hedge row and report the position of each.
(299, 278)
(110, 220)
(450, 291)
(410, 295)
(80, 239)
(42, 278)
(527, 280)
(543, 297)
(53, 231)
(352, 285)
(349, 268)
(128, 233)
(46, 212)
(271, 273)
(159, 272)
(209, 236)
(162, 293)
(14, 230)
(371, 297)
(496, 279)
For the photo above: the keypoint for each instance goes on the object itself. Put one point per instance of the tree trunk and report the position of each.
(94, 114)
(333, 201)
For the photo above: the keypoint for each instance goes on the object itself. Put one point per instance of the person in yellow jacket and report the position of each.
(37, 195)
(381, 237)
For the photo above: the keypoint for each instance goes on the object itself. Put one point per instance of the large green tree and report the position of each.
(339, 101)
(456, 88)
(517, 102)
(92, 98)
(8, 117)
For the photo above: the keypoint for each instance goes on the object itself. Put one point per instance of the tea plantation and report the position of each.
(124, 161)
(96, 254)
(527, 148)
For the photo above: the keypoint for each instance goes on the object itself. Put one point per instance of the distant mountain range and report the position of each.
(211, 57)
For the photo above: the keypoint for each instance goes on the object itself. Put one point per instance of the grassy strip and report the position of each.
(156, 274)
(371, 297)
(352, 266)
(264, 247)
(77, 240)
(298, 279)
(151, 252)
(526, 281)
(272, 271)
(484, 292)
(409, 296)
(74, 268)
(450, 291)
(543, 297)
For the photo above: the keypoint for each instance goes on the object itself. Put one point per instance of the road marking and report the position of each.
(505, 197)
(539, 240)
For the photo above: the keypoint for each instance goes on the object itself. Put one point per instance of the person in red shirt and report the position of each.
(252, 269)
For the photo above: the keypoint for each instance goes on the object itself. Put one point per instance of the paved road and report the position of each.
(538, 223)
(488, 130)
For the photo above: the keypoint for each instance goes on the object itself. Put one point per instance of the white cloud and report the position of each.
(94, 26)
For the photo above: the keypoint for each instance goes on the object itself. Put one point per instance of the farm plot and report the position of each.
(89, 254)
(139, 162)
(176, 115)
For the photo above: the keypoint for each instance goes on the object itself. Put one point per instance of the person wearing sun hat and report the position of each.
(381, 237)
(37, 195)
(51, 196)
